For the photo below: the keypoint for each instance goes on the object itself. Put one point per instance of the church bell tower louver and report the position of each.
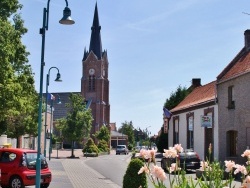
(94, 82)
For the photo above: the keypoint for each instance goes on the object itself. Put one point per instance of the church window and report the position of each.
(91, 83)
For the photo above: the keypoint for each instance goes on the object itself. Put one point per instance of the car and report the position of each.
(188, 160)
(121, 149)
(18, 168)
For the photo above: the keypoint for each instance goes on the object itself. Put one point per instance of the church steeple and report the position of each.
(95, 40)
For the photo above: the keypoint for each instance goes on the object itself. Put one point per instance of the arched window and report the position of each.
(231, 143)
(91, 83)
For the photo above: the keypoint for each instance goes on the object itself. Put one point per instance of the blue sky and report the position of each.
(153, 47)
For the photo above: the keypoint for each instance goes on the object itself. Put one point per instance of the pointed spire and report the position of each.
(95, 40)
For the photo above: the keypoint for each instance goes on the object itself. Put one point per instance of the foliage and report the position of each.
(103, 146)
(131, 178)
(78, 121)
(162, 141)
(103, 134)
(18, 97)
(212, 173)
(128, 129)
(90, 147)
(176, 97)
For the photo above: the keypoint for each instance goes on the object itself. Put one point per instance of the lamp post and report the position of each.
(147, 135)
(51, 123)
(58, 79)
(67, 21)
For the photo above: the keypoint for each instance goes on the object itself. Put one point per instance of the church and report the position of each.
(94, 86)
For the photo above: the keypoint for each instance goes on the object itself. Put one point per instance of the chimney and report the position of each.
(247, 39)
(196, 82)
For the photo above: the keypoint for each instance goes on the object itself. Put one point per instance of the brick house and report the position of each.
(233, 89)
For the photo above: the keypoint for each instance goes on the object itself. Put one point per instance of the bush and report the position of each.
(90, 147)
(131, 178)
(103, 146)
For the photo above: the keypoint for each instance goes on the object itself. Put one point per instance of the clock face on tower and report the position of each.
(91, 71)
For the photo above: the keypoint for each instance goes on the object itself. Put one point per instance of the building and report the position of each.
(194, 121)
(94, 82)
(234, 105)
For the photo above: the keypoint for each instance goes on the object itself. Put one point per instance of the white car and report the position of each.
(121, 149)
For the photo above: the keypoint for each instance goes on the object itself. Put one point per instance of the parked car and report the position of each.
(18, 168)
(121, 149)
(189, 159)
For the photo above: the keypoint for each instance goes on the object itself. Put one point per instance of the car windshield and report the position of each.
(120, 147)
(31, 158)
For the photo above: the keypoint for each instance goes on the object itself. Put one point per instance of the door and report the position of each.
(208, 141)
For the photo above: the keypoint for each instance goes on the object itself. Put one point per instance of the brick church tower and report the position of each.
(94, 82)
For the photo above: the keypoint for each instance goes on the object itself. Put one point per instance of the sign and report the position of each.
(206, 121)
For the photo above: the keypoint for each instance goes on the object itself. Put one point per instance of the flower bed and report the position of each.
(210, 175)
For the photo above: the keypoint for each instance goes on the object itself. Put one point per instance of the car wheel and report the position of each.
(16, 182)
(45, 185)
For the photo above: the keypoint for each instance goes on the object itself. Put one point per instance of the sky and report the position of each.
(153, 47)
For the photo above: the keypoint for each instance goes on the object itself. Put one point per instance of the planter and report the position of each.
(90, 155)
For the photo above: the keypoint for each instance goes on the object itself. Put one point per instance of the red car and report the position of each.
(18, 168)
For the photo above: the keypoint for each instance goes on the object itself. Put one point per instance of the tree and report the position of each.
(162, 141)
(128, 129)
(78, 121)
(176, 97)
(18, 97)
(103, 134)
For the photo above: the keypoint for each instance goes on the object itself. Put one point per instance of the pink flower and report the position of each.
(159, 173)
(240, 168)
(174, 168)
(152, 153)
(204, 166)
(246, 154)
(178, 148)
(247, 179)
(145, 154)
(229, 165)
(170, 153)
(144, 169)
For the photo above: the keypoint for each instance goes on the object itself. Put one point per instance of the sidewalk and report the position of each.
(74, 173)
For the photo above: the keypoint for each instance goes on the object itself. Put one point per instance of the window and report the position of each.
(176, 130)
(231, 143)
(231, 103)
(190, 131)
(91, 83)
(7, 157)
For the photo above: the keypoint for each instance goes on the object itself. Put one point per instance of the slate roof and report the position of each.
(60, 110)
(117, 134)
(199, 96)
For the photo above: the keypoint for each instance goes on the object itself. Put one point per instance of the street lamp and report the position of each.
(58, 79)
(67, 21)
(51, 122)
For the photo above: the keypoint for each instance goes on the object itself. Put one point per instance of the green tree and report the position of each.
(78, 122)
(176, 97)
(162, 141)
(127, 128)
(18, 98)
(103, 134)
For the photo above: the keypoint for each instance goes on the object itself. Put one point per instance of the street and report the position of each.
(105, 171)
